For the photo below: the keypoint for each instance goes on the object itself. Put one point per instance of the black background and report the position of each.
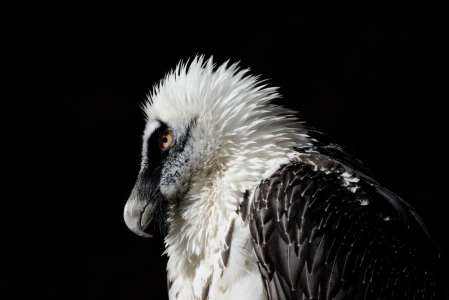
(374, 77)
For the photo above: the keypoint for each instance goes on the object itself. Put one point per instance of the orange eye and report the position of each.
(165, 139)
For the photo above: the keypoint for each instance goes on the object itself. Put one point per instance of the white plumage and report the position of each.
(238, 136)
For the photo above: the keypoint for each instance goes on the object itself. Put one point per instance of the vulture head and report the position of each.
(211, 134)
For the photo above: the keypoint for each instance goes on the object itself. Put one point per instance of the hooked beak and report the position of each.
(138, 214)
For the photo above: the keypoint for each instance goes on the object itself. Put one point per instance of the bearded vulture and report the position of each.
(255, 205)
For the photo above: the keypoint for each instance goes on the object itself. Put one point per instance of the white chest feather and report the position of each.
(232, 273)
(217, 261)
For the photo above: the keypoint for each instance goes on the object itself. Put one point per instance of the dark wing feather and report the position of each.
(331, 148)
(315, 239)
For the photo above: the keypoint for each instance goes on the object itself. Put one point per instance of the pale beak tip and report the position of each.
(145, 235)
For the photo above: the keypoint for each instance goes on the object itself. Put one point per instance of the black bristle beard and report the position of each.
(162, 218)
(162, 214)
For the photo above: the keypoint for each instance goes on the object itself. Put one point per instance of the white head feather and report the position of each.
(236, 137)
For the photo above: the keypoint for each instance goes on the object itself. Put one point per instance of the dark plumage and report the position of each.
(315, 239)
